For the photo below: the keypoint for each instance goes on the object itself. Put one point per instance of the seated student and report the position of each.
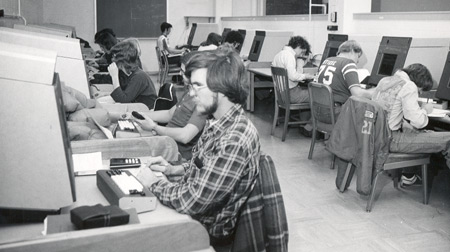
(134, 85)
(225, 162)
(235, 39)
(106, 39)
(341, 74)
(298, 89)
(398, 95)
(287, 58)
(173, 54)
(213, 41)
(184, 122)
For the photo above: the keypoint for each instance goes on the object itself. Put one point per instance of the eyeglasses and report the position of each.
(195, 87)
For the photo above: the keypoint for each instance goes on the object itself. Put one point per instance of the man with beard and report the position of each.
(225, 163)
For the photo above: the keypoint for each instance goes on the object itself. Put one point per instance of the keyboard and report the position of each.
(127, 125)
(121, 188)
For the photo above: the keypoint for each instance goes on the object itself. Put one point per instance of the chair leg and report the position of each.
(313, 142)
(347, 173)
(425, 183)
(333, 161)
(372, 192)
(275, 119)
(286, 122)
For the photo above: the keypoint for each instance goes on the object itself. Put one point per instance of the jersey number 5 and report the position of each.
(328, 75)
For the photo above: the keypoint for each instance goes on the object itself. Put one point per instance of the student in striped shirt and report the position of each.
(341, 73)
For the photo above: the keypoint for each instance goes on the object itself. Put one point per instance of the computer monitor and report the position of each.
(443, 90)
(199, 33)
(391, 56)
(36, 157)
(267, 44)
(70, 64)
(332, 45)
(225, 32)
(248, 41)
(68, 28)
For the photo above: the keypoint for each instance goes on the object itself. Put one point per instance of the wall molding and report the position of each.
(428, 15)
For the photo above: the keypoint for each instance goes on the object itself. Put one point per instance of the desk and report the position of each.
(163, 229)
(262, 69)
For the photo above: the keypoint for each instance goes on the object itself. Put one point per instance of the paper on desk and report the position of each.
(439, 113)
(87, 163)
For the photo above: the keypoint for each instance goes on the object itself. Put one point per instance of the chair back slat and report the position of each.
(163, 63)
(321, 101)
(281, 86)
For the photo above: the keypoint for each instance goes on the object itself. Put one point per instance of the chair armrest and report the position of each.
(129, 147)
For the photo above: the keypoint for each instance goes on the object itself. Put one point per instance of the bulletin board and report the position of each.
(132, 18)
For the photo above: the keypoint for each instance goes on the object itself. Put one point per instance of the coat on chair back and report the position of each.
(361, 136)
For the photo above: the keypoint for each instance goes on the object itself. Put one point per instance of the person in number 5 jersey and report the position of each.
(341, 73)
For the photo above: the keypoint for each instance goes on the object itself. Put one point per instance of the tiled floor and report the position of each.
(323, 219)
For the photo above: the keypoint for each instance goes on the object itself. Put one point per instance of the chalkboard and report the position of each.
(291, 7)
(132, 18)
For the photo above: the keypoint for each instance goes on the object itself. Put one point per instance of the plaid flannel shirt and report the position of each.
(220, 175)
(262, 224)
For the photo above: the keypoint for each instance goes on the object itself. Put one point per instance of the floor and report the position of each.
(321, 218)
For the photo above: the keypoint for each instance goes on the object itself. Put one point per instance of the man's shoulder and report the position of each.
(141, 76)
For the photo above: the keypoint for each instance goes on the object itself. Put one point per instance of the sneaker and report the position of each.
(413, 181)
(305, 132)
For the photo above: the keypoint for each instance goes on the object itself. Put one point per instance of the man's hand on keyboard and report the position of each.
(146, 176)
(158, 164)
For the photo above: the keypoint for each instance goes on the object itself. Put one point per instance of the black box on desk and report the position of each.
(86, 217)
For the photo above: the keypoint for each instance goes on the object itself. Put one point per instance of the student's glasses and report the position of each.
(195, 87)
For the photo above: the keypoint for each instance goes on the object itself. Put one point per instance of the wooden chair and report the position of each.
(321, 103)
(165, 69)
(282, 100)
(394, 161)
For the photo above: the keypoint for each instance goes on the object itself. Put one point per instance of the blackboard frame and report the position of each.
(132, 18)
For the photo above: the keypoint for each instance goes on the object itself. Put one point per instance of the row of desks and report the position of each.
(162, 229)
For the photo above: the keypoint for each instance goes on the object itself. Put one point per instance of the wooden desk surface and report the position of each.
(163, 229)
(266, 71)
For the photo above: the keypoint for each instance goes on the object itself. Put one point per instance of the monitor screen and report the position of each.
(443, 90)
(332, 45)
(391, 56)
(387, 64)
(256, 47)
(333, 52)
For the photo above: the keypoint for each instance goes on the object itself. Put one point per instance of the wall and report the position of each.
(314, 31)
(80, 14)
(31, 10)
(410, 5)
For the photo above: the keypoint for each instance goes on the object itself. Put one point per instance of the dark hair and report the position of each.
(348, 46)
(234, 37)
(299, 41)
(126, 54)
(420, 75)
(165, 26)
(106, 40)
(213, 39)
(99, 33)
(226, 73)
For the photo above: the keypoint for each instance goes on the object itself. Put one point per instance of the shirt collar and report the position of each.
(402, 75)
(226, 120)
(289, 49)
